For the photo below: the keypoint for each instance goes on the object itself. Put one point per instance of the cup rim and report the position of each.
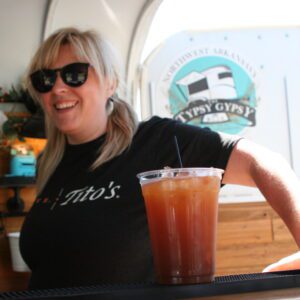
(208, 171)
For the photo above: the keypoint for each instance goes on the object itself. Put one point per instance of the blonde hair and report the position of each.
(122, 121)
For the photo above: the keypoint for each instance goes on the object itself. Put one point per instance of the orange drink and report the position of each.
(182, 207)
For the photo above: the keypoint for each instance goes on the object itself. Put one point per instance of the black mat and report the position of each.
(222, 285)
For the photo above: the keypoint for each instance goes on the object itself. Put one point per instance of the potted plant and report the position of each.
(17, 113)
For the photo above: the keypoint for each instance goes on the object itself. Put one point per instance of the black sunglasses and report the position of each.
(73, 75)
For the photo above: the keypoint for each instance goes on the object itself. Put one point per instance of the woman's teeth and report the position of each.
(65, 105)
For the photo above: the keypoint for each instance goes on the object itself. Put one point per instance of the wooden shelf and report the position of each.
(16, 181)
(12, 214)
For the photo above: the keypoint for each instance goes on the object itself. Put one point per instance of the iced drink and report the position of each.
(182, 206)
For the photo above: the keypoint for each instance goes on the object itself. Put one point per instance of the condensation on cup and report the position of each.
(182, 209)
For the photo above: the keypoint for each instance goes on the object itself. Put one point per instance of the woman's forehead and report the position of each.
(65, 55)
(59, 56)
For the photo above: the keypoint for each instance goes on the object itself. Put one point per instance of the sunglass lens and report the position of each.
(43, 80)
(75, 74)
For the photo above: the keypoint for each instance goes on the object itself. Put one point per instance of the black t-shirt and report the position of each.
(88, 228)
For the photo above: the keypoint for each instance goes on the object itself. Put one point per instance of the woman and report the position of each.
(88, 224)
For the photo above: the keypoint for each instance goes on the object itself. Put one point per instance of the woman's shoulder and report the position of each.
(153, 128)
(163, 124)
(155, 122)
(160, 126)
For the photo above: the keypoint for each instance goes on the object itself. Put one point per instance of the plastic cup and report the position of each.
(18, 263)
(182, 209)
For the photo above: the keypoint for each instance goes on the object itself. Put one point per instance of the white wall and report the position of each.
(21, 28)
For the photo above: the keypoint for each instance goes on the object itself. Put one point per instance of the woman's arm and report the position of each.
(291, 262)
(254, 165)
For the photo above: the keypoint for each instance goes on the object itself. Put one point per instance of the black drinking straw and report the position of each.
(178, 152)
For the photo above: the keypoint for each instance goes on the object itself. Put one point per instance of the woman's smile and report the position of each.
(62, 106)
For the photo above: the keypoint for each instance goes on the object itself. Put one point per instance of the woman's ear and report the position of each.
(111, 86)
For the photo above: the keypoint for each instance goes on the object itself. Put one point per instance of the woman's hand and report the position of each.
(291, 262)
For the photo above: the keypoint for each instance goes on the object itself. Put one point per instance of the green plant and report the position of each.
(9, 96)
(12, 127)
(18, 95)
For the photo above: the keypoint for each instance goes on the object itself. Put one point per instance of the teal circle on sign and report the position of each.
(244, 86)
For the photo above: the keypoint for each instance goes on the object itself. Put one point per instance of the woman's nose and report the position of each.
(59, 86)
